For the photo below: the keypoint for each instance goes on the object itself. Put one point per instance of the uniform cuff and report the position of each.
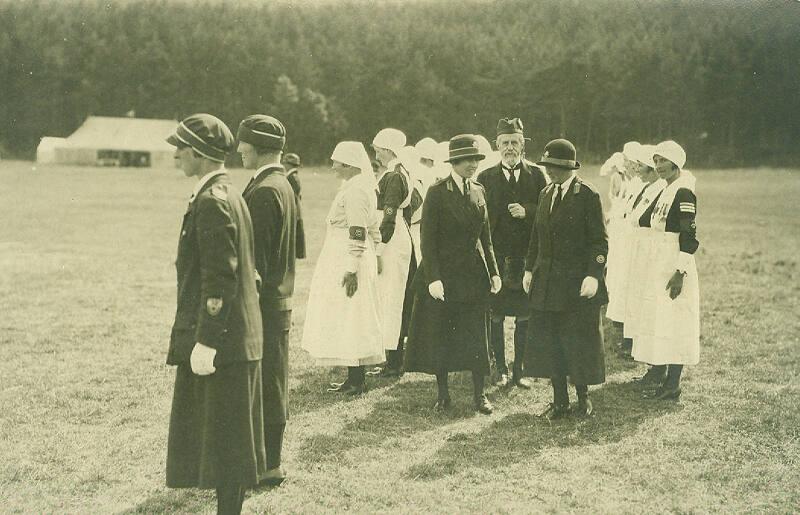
(379, 248)
(685, 260)
(352, 264)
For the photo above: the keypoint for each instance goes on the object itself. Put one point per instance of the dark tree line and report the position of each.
(722, 77)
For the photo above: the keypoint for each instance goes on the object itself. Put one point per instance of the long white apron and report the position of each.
(396, 259)
(341, 330)
(670, 329)
(619, 230)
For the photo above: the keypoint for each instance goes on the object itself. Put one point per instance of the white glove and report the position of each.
(589, 287)
(527, 279)
(436, 289)
(202, 359)
(497, 284)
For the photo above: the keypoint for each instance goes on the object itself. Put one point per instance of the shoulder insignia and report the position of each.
(687, 207)
(213, 306)
(589, 186)
(219, 192)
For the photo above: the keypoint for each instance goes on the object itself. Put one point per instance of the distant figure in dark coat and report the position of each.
(271, 201)
(512, 193)
(454, 281)
(564, 275)
(216, 426)
(292, 164)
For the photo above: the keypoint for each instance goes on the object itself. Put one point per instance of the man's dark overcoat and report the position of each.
(510, 236)
(271, 201)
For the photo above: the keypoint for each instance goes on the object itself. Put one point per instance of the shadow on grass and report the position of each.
(406, 408)
(181, 500)
(619, 411)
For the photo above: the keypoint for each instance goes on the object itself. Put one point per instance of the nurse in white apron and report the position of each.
(669, 335)
(342, 325)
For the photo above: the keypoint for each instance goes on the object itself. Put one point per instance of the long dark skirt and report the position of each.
(275, 366)
(566, 343)
(216, 434)
(449, 336)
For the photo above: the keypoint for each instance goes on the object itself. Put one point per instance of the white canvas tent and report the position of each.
(46, 151)
(107, 141)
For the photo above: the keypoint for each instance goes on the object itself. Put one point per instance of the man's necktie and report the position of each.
(556, 198)
(465, 189)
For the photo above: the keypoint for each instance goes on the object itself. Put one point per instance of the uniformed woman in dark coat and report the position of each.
(453, 284)
(291, 162)
(564, 275)
(216, 425)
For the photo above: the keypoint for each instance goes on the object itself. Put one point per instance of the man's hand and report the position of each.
(380, 265)
(589, 287)
(350, 283)
(675, 285)
(436, 289)
(497, 284)
(527, 281)
(202, 359)
(516, 210)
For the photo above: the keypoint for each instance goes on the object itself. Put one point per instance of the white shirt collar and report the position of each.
(566, 184)
(266, 167)
(458, 180)
(204, 179)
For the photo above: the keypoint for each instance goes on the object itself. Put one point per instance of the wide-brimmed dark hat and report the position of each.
(560, 152)
(510, 126)
(464, 146)
(206, 134)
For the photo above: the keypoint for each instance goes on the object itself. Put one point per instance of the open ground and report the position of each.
(88, 294)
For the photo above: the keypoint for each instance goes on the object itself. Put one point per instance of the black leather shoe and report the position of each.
(483, 405)
(502, 381)
(355, 389)
(442, 404)
(554, 412)
(385, 372)
(663, 393)
(520, 382)
(585, 408)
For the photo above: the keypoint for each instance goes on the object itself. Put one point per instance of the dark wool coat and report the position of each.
(510, 236)
(215, 431)
(457, 250)
(567, 245)
(271, 201)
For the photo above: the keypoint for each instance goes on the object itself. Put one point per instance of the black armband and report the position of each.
(358, 233)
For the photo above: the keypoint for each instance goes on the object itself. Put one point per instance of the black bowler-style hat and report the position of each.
(560, 152)
(464, 146)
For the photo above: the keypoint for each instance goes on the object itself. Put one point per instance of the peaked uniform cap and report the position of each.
(560, 152)
(672, 151)
(391, 139)
(206, 134)
(262, 131)
(464, 146)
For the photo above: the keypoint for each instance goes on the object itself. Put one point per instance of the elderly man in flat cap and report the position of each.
(216, 426)
(271, 201)
(512, 194)
(564, 275)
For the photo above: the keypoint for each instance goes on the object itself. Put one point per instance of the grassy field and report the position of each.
(88, 295)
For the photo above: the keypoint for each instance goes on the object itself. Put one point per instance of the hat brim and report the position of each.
(173, 140)
(560, 163)
(480, 157)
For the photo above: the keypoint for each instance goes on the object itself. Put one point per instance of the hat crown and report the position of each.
(351, 153)
(560, 149)
(292, 159)
(263, 131)
(264, 123)
(389, 138)
(630, 149)
(509, 126)
(464, 146)
(426, 147)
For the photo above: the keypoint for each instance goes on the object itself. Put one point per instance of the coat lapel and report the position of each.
(459, 206)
